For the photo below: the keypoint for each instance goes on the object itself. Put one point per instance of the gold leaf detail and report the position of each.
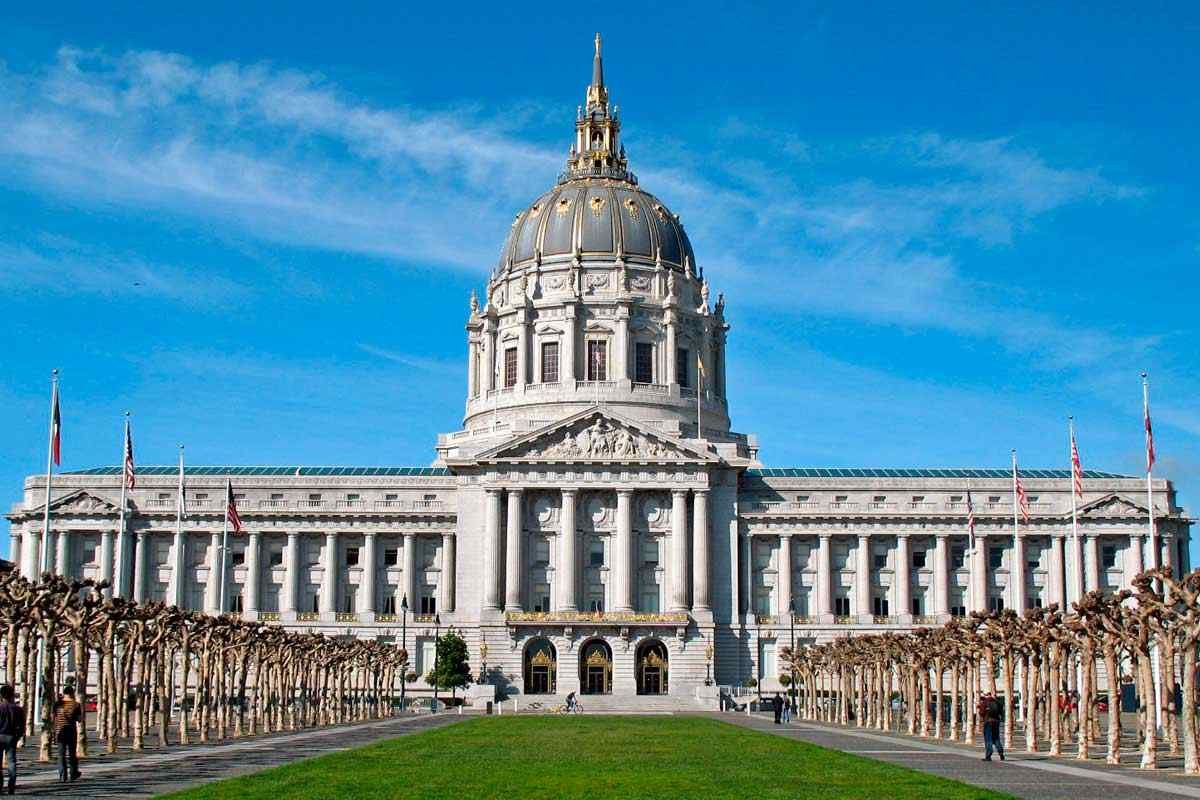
(632, 207)
(597, 203)
(563, 206)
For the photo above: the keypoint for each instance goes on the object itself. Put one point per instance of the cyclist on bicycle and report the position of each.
(571, 703)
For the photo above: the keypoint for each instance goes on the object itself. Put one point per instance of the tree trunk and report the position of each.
(1191, 764)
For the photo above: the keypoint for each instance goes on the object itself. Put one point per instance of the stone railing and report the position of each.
(764, 619)
(844, 620)
(883, 619)
(424, 618)
(924, 619)
(268, 616)
(387, 618)
(345, 616)
(880, 507)
(598, 617)
(308, 616)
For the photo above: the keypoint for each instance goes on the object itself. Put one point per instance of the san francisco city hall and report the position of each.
(579, 524)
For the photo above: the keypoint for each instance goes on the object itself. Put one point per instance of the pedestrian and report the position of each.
(787, 711)
(571, 703)
(67, 714)
(12, 731)
(778, 708)
(991, 713)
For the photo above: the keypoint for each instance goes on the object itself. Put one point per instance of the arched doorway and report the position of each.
(651, 667)
(595, 667)
(541, 667)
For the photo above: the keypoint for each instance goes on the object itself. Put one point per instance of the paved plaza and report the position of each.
(157, 771)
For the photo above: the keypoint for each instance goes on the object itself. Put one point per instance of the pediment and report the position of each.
(82, 502)
(1113, 505)
(597, 435)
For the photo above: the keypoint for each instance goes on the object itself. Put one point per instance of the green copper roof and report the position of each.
(389, 472)
(887, 472)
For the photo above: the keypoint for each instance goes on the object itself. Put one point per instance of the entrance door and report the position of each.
(597, 682)
(539, 681)
(652, 668)
(595, 668)
(651, 681)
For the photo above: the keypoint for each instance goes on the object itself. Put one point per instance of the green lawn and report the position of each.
(592, 757)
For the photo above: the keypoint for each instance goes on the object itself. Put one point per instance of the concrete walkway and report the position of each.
(157, 771)
(1034, 776)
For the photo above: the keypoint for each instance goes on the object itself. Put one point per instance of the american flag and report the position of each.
(56, 427)
(1149, 435)
(130, 477)
(231, 512)
(1022, 498)
(1076, 467)
(970, 518)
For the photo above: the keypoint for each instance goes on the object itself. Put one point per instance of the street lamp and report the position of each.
(792, 619)
(437, 642)
(708, 657)
(483, 651)
(403, 646)
(758, 644)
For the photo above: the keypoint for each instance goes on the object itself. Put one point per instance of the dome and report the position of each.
(600, 219)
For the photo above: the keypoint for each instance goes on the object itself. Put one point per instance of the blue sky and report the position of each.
(940, 230)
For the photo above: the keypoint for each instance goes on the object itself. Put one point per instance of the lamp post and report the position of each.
(483, 651)
(708, 657)
(404, 646)
(437, 642)
(758, 644)
(792, 621)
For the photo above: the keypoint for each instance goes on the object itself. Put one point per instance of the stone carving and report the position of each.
(1114, 507)
(704, 294)
(670, 283)
(597, 281)
(720, 309)
(640, 283)
(474, 304)
(83, 503)
(573, 279)
(555, 282)
(601, 439)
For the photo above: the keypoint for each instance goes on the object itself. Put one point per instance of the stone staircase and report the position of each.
(608, 703)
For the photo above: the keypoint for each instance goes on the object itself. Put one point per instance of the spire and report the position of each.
(597, 151)
(597, 93)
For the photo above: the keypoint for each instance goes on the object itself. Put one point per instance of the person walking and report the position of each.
(67, 714)
(992, 711)
(778, 703)
(787, 711)
(12, 731)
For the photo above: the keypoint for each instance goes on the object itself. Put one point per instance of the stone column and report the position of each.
(1058, 593)
(621, 371)
(1075, 574)
(409, 576)
(671, 348)
(1092, 559)
(178, 566)
(941, 576)
(903, 573)
(862, 578)
(1017, 574)
(513, 572)
(979, 576)
(783, 574)
(825, 579)
(701, 600)
(368, 602)
(140, 557)
(212, 589)
(449, 573)
(62, 561)
(1133, 560)
(567, 557)
(329, 578)
(251, 589)
(566, 364)
(106, 557)
(15, 553)
(120, 587)
(489, 358)
(623, 553)
(472, 368)
(492, 552)
(31, 549)
(679, 551)
(288, 598)
(522, 349)
(745, 590)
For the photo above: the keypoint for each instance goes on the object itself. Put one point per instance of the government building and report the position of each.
(595, 524)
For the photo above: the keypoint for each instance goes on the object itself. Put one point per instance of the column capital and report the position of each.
(625, 492)
(679, 492)
(517, 490)
(701, 490)
(370, 534)
(571, 490)
(903, 535)
(493, 489)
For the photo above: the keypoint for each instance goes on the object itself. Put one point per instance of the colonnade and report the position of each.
(688, 588)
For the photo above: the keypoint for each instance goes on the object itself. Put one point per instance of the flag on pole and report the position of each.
(128, 468)
(1149, 429)
(181, 497)
(56, 429)
(1076, 466)
(970, 518)
(231, 511)
(1022, 498)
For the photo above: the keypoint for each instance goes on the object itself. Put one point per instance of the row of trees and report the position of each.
(221, 675)
(1048, 664)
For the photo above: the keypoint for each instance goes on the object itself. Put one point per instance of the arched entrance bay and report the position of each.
(541, 667)
(595, 667)
(651, 667)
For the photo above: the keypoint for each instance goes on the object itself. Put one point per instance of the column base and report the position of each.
(287, 616)
(367, 616)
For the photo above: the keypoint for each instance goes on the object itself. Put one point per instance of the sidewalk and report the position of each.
(155, 771)
(1025, 775)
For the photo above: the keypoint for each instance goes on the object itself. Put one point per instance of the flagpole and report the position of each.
(224, 547)
(1155, 660)
(972, 589)
(177, 565)
(699, 390)
(44, 549)
(118, 587)
(1016, 591)
(1076, 550)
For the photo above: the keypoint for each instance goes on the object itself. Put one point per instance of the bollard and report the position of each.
(460, 711)
(747, 708)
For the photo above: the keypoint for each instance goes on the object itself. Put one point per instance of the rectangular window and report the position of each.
(958, 611)
(881, 561)
(541, 598)
(841, 498)
(650, 553)
(918, 559)
(841, 606)
(918, 605)
(879, 606)
(996, 603)
(682, 362)
(391, 497)
(235, 604)
(315, 605)
(1108, 555)
(428, 651)
(549, 362)
(351, 556)
(762, 600)
(595, 598)
(880, 498)
(198, 496)
(956, 498)
(597, 360)
(314, 497)
(918, 498)
(596, 554)
(391, 556)
(276, 558)
(352, 497)
(389, 604)
(238, 557)
(510, 367)
(650, 601)
(766, 660)
(276, 495)
(643, 362)
(958, 557)
(994, 498)
(428, 604)
(541, 551)
(348, 601)
(995, 557)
